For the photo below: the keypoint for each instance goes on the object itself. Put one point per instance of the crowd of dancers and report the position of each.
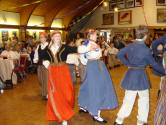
(96, 92)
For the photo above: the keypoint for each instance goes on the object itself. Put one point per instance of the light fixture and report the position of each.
(116, 9)
(105, 3)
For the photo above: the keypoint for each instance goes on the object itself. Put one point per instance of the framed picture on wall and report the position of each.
(130, 3)
(161, 15)
(113, 1)
(125, 17)
(112, 6)
(5, 35)
(139, 3)
(108, 19)
(34, 35)
(14, 33)
(121, 5)
(160, 2)
(120, 1)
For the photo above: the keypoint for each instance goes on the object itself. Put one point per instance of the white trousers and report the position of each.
(128, 102)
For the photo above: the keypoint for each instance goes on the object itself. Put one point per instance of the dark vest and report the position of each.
(42, 54)
(61, 54)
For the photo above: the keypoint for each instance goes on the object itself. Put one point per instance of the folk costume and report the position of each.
(39, 57)
(96, 91)
(60, 87)
(136, 57)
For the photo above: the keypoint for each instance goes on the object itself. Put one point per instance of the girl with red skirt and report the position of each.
(60, 87)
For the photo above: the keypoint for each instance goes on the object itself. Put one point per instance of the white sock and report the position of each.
(64, 123)
(47, 96)
(83, 109)
(119, 120)
(1, 91)
(98, 118)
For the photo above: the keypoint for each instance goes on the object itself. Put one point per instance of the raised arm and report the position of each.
(154, 64)
(157, 42)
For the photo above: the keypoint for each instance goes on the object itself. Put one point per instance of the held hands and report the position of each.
(160, 55)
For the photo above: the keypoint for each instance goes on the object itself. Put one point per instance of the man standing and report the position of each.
(136, 57)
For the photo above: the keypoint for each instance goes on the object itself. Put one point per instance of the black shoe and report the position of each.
(117, 124)
(82, 111)
(101, 122)
(158, 93)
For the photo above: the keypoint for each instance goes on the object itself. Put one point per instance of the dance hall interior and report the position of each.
(82, 62)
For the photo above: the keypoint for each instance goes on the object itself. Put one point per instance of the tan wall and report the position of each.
(137, 16)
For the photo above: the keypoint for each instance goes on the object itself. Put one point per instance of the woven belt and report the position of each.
(59, 64)
(136, 67)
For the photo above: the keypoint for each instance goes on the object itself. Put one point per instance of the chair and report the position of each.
(20, 70)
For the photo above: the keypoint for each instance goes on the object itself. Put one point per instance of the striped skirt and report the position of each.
(42, 78)
(160, 114)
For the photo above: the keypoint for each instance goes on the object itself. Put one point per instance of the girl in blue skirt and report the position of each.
(96, 91)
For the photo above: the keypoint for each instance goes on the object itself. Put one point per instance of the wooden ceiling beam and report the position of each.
(49, 17)
(28, 27)
(26, 13)
(89, 7)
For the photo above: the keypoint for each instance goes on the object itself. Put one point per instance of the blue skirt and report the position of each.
(97, 91)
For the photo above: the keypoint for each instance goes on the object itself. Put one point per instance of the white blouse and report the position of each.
(85, 50)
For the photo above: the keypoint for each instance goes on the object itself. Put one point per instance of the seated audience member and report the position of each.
(111, 54)
(118, 44)
(8, 53)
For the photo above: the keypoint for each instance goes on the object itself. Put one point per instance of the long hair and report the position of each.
(55, 32)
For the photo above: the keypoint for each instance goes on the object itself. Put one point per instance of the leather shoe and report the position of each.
(117, 123)
(82, 111)
(101, 122)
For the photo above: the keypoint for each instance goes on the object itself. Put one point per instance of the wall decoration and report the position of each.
(138, 3)
(161, 15)
(5, 35)
(130, 3)
(120, 0)
(160, 2)
(34, 35)
(112, 6)
(14, 33)
(113, 1)
(108, 19)
(121, 5)
(125, 17)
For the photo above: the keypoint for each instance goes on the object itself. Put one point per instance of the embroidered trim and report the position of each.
(49, 55)
(49, 70)
(52, 97)
(54, 105)
(56, 59)
(60, 54)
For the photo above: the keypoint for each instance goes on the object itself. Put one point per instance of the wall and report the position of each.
(57, 23)
(137, 16)
(9, 18)
(36, 21)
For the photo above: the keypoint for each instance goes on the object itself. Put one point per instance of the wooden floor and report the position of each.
(23, 105)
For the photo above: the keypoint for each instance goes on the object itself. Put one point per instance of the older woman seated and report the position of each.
(9, 54)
